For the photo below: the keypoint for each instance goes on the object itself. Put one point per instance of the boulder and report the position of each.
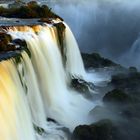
(102, 130)
(82, 86)
(94, 60)
(129, 81)
(117, 96)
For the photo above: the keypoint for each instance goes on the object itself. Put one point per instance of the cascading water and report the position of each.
(15, 117)
(33, 92)
(132, 57)
(74, 63)
(36, 88)
(134, 53)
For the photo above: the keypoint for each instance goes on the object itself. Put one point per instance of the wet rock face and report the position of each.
(94, 60)
(11, 48)
(19, 42)
(7, 44)
(61, 33)
(102, 130)
(82, 86)
(5, 40)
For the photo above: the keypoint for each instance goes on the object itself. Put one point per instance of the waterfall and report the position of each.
(74, 64)
(36, 88)
(15, 117)
(134, 53)
(131, 57)
(33, 92)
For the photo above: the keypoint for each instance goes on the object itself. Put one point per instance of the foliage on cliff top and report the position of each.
(29, 10)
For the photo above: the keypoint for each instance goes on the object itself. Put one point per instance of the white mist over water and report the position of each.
(43, 91)
(132, 56)
(94, 25)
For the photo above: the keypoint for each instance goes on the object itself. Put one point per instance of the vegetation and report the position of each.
(30, 10)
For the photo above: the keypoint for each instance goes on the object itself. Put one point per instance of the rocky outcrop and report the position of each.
(124, 103)
(102, 130)
(129, 81)
(61, 34)
(94, 60)
(82, 86)
(117, 96)
(120, 107)
(11, 48)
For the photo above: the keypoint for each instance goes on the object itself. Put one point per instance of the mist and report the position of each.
(109, 28)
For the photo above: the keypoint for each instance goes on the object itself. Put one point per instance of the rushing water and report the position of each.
(34, 89)
(15, 117)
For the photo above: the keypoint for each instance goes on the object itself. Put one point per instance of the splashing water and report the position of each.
(36, 88)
